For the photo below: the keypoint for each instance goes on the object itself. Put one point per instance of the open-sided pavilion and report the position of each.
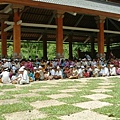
(92, 21)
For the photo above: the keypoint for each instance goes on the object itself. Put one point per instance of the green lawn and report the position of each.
(53, 112)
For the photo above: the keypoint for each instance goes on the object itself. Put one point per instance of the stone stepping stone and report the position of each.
(39, 90)
(46, 103)
(97, 96)
(86, 115)
(105, 87)
(26, 95)
(104, 83)
(92, 104)
(100, 90)
(8, 101)
(56, 96)
(1, 93)
(69, 90)
(25, 115)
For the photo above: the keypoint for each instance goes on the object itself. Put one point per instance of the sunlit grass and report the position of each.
(34, 98)
(10, 108)
(61, 110)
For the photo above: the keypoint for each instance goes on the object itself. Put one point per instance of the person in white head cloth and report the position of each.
(106, 71)
(5, 76)
(17, 79)
(25, 77)
(112, 70)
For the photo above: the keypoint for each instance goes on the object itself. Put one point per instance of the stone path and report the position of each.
(88, 107)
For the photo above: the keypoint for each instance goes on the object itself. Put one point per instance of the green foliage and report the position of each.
(33, 49)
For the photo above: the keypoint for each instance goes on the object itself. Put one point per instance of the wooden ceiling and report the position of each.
(40, 15)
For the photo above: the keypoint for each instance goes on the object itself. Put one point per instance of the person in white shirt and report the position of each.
(106, 71)
(5, 63)
(80, 72)
(52, 71)
(95, 71)
(58, 73)
(23, 77)
(112, 70)
(74, 73)
(5, 76)
(101, 73)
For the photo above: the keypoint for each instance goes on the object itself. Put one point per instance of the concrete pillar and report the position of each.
(16, 35)
(44, 38)
(70, 48)
(3, 39)
(59, 36)
(100, 23)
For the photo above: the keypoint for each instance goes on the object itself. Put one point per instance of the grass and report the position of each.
(115, 93)
(22, 91)
(53, 112)
(34, 98)
(10, 108)
(2, 118)
(74, 99)
(111, 111)
(61, 110)
(49, 118)
(36, 86)
(49, 92)
(7, 87)
(3, 97)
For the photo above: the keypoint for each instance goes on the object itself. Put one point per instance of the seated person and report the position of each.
(25, 77)
(74, 73)
(31, 75)
(47, 75)
(5, 76)
(112, 70)
(58, 73)
(40, 71)
(67, 72)
(86, 73)
(95, 71)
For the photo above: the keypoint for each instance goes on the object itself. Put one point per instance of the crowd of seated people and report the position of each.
(25, 71)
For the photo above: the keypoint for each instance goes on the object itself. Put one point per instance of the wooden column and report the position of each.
(92, 47)
(100, 22)
(70, 48)
(16, 35)
(108, 48)
(44, 46)
(3, 39)
(59, 36)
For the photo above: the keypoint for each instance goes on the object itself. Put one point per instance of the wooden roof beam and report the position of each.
(62, 7)
(64, 27)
